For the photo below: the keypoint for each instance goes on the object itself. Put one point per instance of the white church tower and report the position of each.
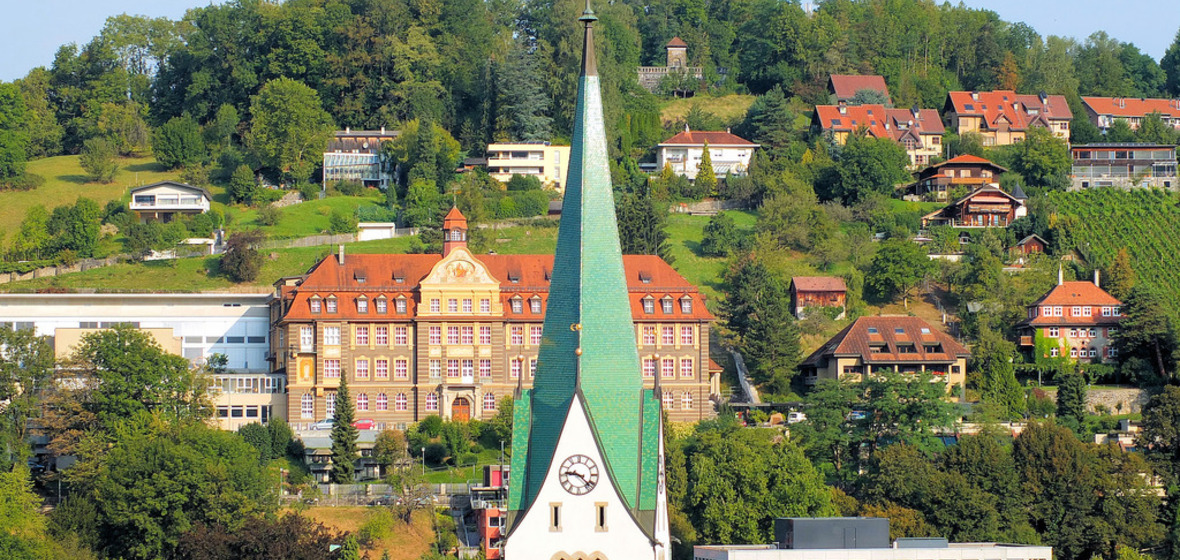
(587, 442)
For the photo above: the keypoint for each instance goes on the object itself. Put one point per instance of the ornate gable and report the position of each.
(459, 275)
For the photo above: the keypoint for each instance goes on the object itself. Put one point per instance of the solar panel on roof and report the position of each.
(969, 107)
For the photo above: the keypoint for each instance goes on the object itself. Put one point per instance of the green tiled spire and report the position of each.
(589, 338)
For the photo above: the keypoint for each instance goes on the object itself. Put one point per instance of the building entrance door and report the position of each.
(461, 410)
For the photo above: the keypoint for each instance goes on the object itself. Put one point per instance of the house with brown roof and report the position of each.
(1075, 320)
(960, 171)
(900, 344)
(451, 334)
(1031, 244)
(986, 206)
(1103, 111)
(1003, 117)
(918, 130)
(843, 87)
(812, 293)
(729, 153)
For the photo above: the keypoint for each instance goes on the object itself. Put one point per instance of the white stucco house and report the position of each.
(164, 200)
(729, 153)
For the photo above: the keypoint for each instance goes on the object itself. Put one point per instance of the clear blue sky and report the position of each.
(36, 28)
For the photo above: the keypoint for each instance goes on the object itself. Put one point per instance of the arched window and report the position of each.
(307, 406)
(362, 402)
(432, 402)
(489, 401)
(399, 402)
(382, 401)
(686, 400)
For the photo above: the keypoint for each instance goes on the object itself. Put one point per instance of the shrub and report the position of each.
(179, 143)
(341, 222)
(242, 184)
(350, 188)
(308, 191)
(264, 196)
(98, 160)
(23, 182)
(377, 527)
(435, 453)
(269, 216)
(524, 183)
(241, 261)
(531, 203)
(258, 436)
(375, 214)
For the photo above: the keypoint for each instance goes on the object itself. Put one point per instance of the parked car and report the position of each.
(325, 424)
(857, 415)
(796, 417)
(365, 424)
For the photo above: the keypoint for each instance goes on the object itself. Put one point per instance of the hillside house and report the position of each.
(986, 206)
(1031, 244)
(967, 171)
(729, 153)
(818, 293)
(542, 160)
(1003, 117)
(918, 130)
(843, 87)
(1123, 165)
(1103, 111)
(1075, 320)
(166, 200)
(888, 343)
(355, 155)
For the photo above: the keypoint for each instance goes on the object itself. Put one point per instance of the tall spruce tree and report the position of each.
(1071, 400)
(344, 436)
(522, 106)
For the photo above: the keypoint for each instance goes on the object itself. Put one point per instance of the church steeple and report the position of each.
(588, 364)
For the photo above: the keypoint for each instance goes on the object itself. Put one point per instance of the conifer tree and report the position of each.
(706, 180)
(1120, 278)
(344, 436)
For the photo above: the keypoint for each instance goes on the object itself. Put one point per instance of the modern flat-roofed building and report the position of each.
(535, 159)
(167, 199)
(1123, 165)
(355, 155)
(192, 325)
(861, 538)
(452, 334)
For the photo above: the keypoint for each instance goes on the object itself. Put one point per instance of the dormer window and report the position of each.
(872, 330)
(399, 277)
(645, 277)
(399, 305)
(382, 304)
(535, 305)
(649, 305)
(316, 304)
(686, 305)
(362, 304)
(331, 304)
(517, 305)
(666, 305)
(359, 276)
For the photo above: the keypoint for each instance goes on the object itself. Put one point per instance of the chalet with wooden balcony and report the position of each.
(967, 171)
(811, 293)
(986, 206)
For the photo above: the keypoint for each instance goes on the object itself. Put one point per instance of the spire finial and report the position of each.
(589, 60)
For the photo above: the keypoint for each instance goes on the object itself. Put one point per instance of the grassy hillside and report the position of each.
(729, 108)
(65, 182)
(1145, 222)
(404, 542)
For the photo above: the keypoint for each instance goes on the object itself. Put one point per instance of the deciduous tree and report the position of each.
(98, 159)
(897, 268)
(290, 127)
(178, 143)
(241, 261)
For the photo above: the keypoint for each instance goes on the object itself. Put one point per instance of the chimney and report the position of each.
(915, 111)
(1096, 278)
(843, 108)
(340, 256)
(383, 131)
(347, 129)
(1060, 276)
(975, 95)
(686, 127)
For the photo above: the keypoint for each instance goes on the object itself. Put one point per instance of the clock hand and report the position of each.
(575, 473)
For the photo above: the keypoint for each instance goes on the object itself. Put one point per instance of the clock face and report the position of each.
(578, 474)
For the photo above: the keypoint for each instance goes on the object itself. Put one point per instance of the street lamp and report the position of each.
(423, 461)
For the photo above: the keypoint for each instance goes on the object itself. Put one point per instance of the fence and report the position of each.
(50, 271)
(709, 206)
(311, 241)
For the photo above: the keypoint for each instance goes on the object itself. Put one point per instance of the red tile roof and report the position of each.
(1132, 106)
(818, 284)
(531, 274)
(677, 42)
(846, 86)
(1006, 109)
(715, 139)
(1074, 294)
(454, 218)
(859, 338)
(879, 121)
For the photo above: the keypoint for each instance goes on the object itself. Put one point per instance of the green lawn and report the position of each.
(728, 108)
(301, 220)
(65, 182)
(684, 237)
